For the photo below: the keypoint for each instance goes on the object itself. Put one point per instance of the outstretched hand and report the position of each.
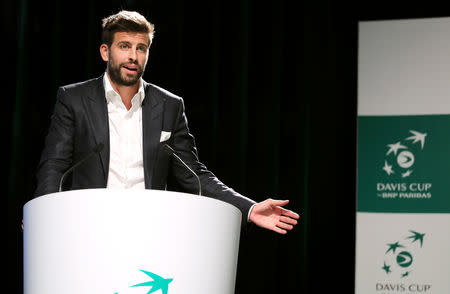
(270, 215)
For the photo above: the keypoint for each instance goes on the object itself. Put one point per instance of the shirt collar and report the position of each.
(112, 96)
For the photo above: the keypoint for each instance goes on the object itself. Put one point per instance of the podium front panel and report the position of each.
(129, 241)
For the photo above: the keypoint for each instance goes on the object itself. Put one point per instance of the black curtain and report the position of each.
(270, 94)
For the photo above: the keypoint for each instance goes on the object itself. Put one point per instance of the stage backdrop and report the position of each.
(403, 169)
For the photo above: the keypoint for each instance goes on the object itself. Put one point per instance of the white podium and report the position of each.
(129, 241)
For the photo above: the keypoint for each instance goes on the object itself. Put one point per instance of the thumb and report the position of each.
(279, 202)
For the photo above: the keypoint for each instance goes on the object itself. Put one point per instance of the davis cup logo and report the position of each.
(400, 163)
(399, 158)
(399, 263)
(398, 256)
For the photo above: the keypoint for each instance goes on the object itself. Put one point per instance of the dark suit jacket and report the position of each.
(80, 122)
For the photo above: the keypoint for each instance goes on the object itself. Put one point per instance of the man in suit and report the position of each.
(134, 121)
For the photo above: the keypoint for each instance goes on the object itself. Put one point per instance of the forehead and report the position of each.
(132, 37)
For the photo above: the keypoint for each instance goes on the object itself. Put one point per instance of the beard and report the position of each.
(122, 78)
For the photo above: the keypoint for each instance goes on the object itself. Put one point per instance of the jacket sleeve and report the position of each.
(56, 157)
(184, 146)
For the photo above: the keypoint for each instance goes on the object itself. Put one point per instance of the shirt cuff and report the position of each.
(250, 211)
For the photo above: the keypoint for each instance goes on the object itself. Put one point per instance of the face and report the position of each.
(126, 57)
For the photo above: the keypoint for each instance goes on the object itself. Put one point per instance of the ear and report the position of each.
(104, 50)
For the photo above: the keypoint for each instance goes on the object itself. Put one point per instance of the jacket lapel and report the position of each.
(97, 113)
(152, 120)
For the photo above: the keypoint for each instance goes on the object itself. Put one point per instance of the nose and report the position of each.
(132, 55)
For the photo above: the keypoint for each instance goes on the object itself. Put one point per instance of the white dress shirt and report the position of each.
(126, 168)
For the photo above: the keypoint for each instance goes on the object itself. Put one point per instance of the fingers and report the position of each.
(284, 211)
(288, 220)
(285, 223)
(282, 227)
(285, 226)
(279, 231)
(289, 213)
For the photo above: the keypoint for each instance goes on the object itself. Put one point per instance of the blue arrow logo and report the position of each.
(158, 283)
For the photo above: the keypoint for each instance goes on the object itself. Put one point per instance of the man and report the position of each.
(134, 121)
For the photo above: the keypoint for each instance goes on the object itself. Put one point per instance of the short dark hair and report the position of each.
(125, 21)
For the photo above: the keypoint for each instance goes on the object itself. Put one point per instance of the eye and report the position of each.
(142, 48)
(124, 46)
